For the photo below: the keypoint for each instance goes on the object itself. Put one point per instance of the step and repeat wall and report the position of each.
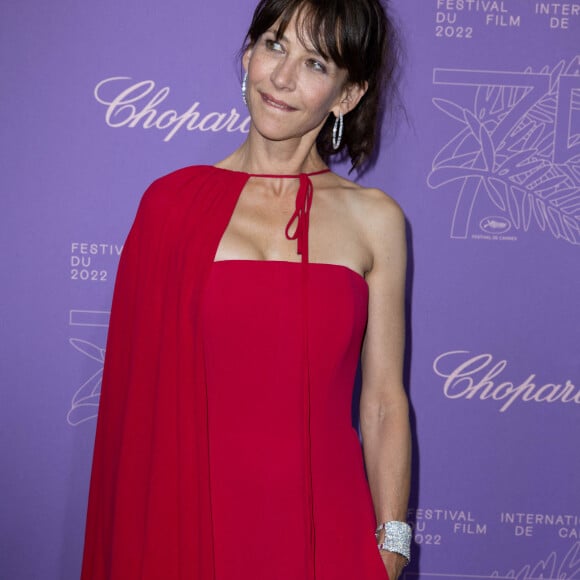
(98, 99)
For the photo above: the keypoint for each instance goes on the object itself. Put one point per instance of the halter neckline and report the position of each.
(275, 175)
(290, 176)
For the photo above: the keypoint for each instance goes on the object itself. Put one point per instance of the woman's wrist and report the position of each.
(397, 538)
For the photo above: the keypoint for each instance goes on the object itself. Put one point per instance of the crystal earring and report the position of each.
(337, 131)
(245, 88)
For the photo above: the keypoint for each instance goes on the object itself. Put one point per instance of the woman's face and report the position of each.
(291, 88)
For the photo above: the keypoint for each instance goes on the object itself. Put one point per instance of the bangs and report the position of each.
(319, 25)
(314, 29)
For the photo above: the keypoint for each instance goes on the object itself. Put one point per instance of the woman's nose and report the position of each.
(283, 76)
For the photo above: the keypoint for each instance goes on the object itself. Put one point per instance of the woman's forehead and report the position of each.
(305, 25)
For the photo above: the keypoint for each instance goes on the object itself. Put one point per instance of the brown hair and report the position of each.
(359, 37)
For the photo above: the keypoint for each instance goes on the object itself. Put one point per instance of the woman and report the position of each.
(224, 448)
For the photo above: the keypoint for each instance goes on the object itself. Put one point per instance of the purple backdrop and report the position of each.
(100, 98)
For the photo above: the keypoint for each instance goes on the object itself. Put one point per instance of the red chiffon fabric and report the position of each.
(252, 326)
(161, 506)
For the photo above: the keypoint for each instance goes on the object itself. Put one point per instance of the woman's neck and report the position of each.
(261, 156)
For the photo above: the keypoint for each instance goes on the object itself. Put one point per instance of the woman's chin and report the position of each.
(281, 132)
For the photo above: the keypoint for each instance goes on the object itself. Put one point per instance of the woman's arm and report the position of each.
(384, 413)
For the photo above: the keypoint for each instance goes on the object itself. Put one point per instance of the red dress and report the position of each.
(252, 327)
(224, 446)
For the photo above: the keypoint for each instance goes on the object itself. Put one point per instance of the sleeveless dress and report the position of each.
(281, 344)
(252, 326)
(224, 448)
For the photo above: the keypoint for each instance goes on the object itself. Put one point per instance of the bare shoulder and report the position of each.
(370, 203)
(379, 211)
(377, 215)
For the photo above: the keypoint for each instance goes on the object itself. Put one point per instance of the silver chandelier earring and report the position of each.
(337, 131)
(245, 88)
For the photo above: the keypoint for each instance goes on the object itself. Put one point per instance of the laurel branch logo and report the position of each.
(518, 144)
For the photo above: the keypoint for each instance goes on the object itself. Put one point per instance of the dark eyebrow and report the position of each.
(311, 51)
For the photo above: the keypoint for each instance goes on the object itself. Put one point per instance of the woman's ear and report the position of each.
(350, 98)
(246, 57)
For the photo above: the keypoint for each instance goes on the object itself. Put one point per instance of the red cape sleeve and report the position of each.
(149, 509)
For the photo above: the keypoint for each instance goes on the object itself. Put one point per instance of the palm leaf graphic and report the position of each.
(517, 173)
(515, 197)
(88, 348)
(554, 222)
(548, 568)
(464, 160)
(570, 566)
(445, 175)
(474, 124)
(549, 185)
(532, 167)
(531, 179)
(539, 212)
(454, 148)
(487, 148)
(546, 145)
(497, 191)
(534, 136)
(540, 116)
(527, 209)
(514, 142)
(519, 163)
(85, 401)
(449, 108)
(557, 71)
(571, 228)
(545, 568)
(568, 198)
(488, 102)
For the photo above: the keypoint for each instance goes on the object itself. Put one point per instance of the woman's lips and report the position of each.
(275, 103)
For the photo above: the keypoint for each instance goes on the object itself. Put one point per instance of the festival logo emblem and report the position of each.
(515, 158)
(495, 225)
(85, 401)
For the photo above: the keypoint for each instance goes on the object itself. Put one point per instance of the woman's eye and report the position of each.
(273, 45)
(317, 65)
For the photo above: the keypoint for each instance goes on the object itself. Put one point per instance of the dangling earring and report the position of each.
(244, 88)
(337, 131)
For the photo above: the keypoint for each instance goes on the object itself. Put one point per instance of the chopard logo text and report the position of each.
(141, 104)
(469, 376)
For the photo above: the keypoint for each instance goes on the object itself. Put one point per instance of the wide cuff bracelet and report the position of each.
(397, 538)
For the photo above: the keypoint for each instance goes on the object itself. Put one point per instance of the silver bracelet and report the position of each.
(397, 538)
